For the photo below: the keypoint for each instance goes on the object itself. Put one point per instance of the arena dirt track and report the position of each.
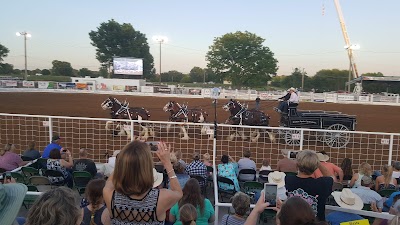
(369, 117)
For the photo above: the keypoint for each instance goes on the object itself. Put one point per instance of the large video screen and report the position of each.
(128, 66)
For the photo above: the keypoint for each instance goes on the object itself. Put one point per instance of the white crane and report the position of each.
(349, 46)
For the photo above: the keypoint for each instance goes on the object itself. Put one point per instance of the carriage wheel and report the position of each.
(337, 139)
(320, 136)
(292, 137)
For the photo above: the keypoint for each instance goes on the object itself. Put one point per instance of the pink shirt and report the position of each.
(331, 168)
(10, 161)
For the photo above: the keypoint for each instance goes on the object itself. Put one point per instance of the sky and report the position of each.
(303, 34)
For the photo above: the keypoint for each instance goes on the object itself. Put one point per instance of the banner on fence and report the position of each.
(319, 100)
(43, 84)
(66, 85)
(363, 98)
(10, 83)
(118, 88)
(195, 91)
(165, 90)
(102, 86)
(131, 88)
(28, 84)
(147, 89)
(81, 86)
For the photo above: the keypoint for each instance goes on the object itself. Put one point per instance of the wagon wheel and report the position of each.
(320, 136)
(292, 137)
(337, 139)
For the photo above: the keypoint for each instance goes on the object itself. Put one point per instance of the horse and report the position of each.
(180, 113)
(123, 111)
(240, 115)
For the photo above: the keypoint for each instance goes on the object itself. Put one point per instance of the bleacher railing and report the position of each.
(103, 136)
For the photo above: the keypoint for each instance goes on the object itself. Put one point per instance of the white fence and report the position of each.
(376, 148)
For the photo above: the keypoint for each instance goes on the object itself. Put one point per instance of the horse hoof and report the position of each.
(254, 140)
(185, 138)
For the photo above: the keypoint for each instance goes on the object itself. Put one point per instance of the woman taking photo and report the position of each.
(129, 193)
(192, 195)
(55, 162)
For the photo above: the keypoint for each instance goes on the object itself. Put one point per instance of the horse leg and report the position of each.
(169, 127)
(232, 136)
(185, 134)
(241, 133)
(204, 129)
(272, 136)
(145, 132)
(152, 131)
(108, 124)
(255, 135)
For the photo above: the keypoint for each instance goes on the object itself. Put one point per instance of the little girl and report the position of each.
(96, 212)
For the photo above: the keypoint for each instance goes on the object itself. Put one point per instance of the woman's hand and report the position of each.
(261, 204)
(164, 153)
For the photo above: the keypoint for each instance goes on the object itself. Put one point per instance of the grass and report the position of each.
(50, 78)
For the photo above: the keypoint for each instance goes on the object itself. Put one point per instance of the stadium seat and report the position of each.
(41, 163)
(30, 199)
(42, 183)
(263, 176)
(19, 178)
(223, 192)
(81, 179)
(291, 174)
(386, 192)
(201, 180)
(247, 172)
(55, 173)
(29, 171)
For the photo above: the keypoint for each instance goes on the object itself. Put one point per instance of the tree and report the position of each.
(6, 68)
(186, 79)
(114, 39)
(196, 74)
(3, 52)
(378, 74)
(46, 72)
(241, 58)
(103, 72)
(330, 80)
(171, 76)
(61, 68)
(16, 71)
(85, 72)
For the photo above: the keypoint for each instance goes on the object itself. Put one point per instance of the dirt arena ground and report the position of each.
(369, 117)
(93, 135)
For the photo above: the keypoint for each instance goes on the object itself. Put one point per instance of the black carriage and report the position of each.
(326, 120)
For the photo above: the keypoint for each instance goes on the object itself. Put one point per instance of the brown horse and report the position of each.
(180, 113)
(123, 111)
(240, 115)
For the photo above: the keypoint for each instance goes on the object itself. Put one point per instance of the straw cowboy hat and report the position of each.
(291, 89)
(322, 157)
(158, 178)
(11, 197)
(277, 178)
(347, 199)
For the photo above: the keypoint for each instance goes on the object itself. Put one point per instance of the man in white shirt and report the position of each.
(293, 100)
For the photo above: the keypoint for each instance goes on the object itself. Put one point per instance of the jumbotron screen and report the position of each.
(128, 66)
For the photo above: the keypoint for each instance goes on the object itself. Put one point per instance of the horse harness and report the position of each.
(182, 111)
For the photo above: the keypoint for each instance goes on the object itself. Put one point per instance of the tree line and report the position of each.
(238, 57)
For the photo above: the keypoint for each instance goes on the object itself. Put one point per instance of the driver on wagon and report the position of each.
(290, 99)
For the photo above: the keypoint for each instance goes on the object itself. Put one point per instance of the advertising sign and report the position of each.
(29, 84)
(195, 91)
(43, 84)
(147, 89)
(81, 86)
(131, 88)
(10, 83)
(118, 87)
(166, 90)
(66, 85)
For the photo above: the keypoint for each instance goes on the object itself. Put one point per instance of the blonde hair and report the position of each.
(173, 158)
(56, 206)
(307, 162)
(178, 154)
(133, 173)
(206, 156)
(387, 172)
(188, 214)
(7, 147)
(365, 169)
(241, 203)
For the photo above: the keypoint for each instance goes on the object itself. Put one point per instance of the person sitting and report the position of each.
(265, 165)
(180, 173)
(291, 99)
(348, 200)
(363, 170)
(197, 168)
(286, 164)
(385, 181)
(346, 168)
(179, 157)
(228, 169)
(206, 159)
(192, 195)
(314, 190)
(85, 164)
(130, 192)
(188, 214)
(333, 169)
(96, 212)
(241, 204)
(55, 143)
(246, 163)
(278, 178)
(108, 167)
(9, 160)
(396, 170)
(31, 152)
(55, 206)
(368, 195)
(55, 162)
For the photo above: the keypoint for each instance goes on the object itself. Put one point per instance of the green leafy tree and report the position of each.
(186, 79)
(17, 71)
(114, 39)
(46, 72)
(242, 58)
(378, 74)
(211, 76)
(103, 72)
(171, 76)
(197, 74)
(3, 52)
(330, 80)
(6, 68)
(85, 72)
(61, 68)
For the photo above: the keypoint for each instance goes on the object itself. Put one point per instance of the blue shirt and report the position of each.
(389, 201)
(51, 146)
(335, 218)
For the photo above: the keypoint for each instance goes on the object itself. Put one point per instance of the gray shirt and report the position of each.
(246, 163)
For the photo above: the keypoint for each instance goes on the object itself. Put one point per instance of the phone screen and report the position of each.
(270, 193)
(292, 154)
(153, 145)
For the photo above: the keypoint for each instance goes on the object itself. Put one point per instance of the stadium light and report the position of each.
(26, 35)
(161, 40)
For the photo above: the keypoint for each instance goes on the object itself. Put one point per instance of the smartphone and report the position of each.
(153, 145)
(270, 193)
(292, 154)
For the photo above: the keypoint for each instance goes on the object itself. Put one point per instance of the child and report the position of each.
(96, 212)
(265, 165)
(188, 214)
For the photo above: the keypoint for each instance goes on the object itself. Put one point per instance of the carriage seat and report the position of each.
(292, 111)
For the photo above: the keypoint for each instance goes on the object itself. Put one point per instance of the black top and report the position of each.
(286, 97)
(314, 191)
(85, 165)
(87, 216)
(33, 154)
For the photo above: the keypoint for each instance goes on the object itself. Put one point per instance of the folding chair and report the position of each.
(222, 192)
(263, 176)
(203, 181)
(81, 179)
(55, 173)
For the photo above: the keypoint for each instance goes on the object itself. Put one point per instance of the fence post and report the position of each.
(301, 139)
(50, 129)
(390, 150)
(397, 99)
(132, 136)
(215, 176)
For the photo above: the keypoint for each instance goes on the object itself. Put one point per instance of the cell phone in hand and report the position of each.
(270, 193)
(153, 145)
(292, 154)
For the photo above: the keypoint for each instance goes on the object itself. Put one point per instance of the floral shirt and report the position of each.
(229, 170)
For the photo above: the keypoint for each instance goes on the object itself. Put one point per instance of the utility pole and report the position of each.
(302, 80)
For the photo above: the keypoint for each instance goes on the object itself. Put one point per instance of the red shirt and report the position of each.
(332, 168)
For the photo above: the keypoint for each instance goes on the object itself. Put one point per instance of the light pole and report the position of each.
(352, 67)
(26, 35)
(161, 40)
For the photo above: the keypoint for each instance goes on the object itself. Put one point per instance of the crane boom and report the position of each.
(346, 39)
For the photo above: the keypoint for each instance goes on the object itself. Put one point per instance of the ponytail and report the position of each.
(95, 207)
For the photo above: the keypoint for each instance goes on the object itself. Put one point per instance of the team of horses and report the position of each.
(239, 115)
